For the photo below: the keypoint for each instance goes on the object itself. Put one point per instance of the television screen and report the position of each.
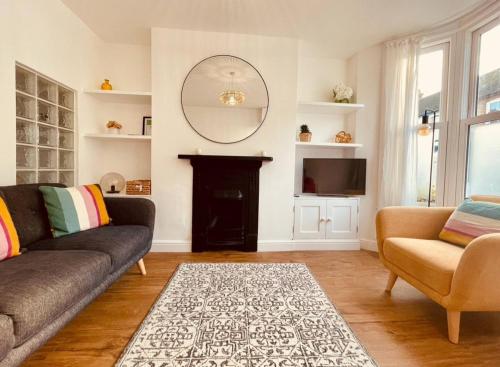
(334, 176)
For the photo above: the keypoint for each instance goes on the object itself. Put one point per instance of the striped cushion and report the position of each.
(74, 209)
(470, 220)
(9, 241)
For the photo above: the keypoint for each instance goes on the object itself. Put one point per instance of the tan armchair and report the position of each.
(458, 278)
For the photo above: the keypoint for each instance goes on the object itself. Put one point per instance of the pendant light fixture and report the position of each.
(230, 96)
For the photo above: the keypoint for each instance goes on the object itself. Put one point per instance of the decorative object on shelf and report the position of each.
(113, 127)
(112, 183)
(342, 93)
(139, 187)
(305, 134)
(106, 85)
(231, 96)
(147, 125)
(343, 137)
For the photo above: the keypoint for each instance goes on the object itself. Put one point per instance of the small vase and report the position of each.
(106, 85)
(345, 100)
(305, 137)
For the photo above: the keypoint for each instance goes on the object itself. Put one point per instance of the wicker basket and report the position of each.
(139, 187)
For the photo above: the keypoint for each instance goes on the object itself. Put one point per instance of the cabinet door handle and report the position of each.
(321, 219)
(328, 219)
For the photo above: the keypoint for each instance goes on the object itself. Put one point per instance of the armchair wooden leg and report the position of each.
(453, 325)
(141, 266)
(391, 281)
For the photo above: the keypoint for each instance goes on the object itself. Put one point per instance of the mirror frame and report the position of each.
(265, 86)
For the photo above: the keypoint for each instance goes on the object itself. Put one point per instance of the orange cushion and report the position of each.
(431, 262)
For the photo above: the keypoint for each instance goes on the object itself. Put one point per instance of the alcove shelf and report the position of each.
(328, 107)
(119, 137)
(123, 195)
(300, 144)
(121, 96)
(118, 92)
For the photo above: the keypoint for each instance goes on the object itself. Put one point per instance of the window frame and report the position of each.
(471, 72)
(442, 125)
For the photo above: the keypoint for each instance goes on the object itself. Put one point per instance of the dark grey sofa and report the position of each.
(45, 287)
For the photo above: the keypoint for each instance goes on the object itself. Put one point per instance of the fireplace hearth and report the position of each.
(225, 202)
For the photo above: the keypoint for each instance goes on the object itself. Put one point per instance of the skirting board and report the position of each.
(369, 245)
(269, 246)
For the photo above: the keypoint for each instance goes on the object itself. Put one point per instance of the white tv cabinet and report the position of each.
(326, 218)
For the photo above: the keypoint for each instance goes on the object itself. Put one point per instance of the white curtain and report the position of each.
(398, 138)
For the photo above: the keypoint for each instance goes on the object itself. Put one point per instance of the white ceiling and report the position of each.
(343, 27)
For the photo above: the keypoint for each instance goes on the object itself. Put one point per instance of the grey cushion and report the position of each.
(26, 205)
(6, 335)
(119, 242)
(38, 286)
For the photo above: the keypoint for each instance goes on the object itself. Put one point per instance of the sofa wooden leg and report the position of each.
(141, 266)
(453, 325)
(391, 281)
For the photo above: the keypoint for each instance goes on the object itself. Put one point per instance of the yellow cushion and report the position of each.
(431, 262)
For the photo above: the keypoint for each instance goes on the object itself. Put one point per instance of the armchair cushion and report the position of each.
(432, 262)
(470, 220)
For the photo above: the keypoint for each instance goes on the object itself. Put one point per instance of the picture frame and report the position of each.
(147, 124)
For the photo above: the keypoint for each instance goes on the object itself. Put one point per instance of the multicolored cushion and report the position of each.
(74, 209)
(470, 220)
(9, 241)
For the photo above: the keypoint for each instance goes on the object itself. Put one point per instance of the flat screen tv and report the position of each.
(334, 176)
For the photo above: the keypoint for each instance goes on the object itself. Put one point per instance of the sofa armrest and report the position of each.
(410, 222)
(136, 211)
(475, 283)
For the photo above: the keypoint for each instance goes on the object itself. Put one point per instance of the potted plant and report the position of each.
(305, 134)
(113, 127)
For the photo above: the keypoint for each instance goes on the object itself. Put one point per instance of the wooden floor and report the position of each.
(405, 329)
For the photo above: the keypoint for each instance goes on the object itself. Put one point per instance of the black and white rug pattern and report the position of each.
(244, 315)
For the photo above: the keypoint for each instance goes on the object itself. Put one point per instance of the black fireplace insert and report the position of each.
(225, 202)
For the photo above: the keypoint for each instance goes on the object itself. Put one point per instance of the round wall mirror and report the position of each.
(224, 99)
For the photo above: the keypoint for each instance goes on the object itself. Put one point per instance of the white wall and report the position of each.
(48, 37)
(51, 39)
(174, 53)
(7, 96)
(364, 74)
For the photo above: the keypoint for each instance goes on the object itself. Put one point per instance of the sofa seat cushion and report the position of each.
(119, 242)
(7, 339)
(431, 262)
(39, 286)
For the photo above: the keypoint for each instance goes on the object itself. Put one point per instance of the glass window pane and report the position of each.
(424, 144)
(488, 81)
(430, 80)
(483, 175)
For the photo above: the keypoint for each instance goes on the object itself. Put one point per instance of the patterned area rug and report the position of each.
(244, 315)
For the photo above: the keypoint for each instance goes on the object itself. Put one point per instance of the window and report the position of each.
(432, 101)
(483, 173)
(45, 135)
(488, 73)
(493, 106)
(483, 125)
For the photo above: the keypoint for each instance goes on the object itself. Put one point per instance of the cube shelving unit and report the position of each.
(45, 129)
